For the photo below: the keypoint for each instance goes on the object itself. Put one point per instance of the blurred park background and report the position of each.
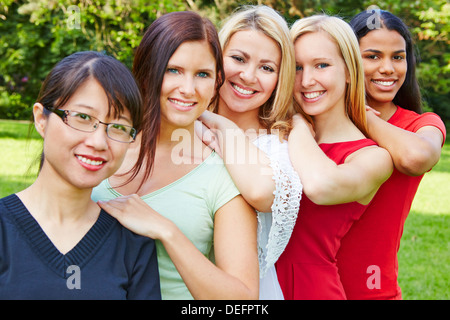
(36, 34)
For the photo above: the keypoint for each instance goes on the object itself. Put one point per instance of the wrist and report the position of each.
(372, 122)
(167, 232)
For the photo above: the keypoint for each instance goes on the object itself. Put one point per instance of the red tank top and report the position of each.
(307, 268)
(367, 259)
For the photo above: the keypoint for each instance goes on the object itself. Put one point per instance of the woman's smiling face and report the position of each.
(384, 58)
(321, 76)
(82, 159)
(251, 62)
(188, 85)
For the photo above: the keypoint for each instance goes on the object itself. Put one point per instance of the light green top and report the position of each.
(190, 202)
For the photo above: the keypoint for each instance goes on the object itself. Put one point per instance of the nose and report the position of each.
(386, 66)
(248, 75)
(307, 77)
(187, 86)
(97, 139)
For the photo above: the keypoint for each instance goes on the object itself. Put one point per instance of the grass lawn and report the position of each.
(18, 167)
(424, 256)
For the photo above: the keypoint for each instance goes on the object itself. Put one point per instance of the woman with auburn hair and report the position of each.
(254, 107)
(367, 259)
(340, 168)
(179, 192)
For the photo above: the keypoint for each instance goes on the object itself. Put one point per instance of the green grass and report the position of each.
(424, 256)
(18, 167)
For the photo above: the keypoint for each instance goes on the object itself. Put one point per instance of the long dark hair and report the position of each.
(408, 96)
(157, 46)
(116, 80)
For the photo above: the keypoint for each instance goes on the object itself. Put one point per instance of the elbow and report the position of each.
(251, 288)
(261, 201)
(248, 293)
(317, 193)
(416, 163)
(253, 295)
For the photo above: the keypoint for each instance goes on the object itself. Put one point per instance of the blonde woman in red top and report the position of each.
(339, 167)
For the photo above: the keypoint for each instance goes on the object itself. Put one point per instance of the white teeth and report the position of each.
(243, 91)
(182, 103)
(89, 161)
(384, 83)
(312, 95)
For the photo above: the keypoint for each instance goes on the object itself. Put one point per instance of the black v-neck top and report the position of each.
(109, 262)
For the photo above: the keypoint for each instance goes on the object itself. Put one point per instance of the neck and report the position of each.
(335, 126)
(386, 109)
(248, 121)
(56, 200)
(170, 135)
(180, 142)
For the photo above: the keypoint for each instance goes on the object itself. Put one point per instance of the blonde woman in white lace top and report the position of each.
(254, 106)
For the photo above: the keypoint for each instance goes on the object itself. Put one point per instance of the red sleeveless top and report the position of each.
(367, 258)
(307, 268)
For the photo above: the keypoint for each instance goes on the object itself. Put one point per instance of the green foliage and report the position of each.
(434, 69)
(36, 34)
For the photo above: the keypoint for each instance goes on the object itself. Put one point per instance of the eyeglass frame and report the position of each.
(63, 114)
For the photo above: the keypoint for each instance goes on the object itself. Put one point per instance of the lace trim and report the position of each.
(288, 191)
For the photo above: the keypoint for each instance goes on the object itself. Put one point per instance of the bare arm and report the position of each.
(413, 153)
(325, 182)
(248, 166)
(236, 274)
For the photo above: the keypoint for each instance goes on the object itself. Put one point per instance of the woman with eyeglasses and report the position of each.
(55, 242)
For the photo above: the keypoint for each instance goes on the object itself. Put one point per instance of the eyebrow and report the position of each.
(92, 108)
(246, 56)
(269, 61)
(84, 106)
(321, 59)
(175, 66)
(378, 51)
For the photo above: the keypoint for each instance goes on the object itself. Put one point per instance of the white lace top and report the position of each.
(275, 228)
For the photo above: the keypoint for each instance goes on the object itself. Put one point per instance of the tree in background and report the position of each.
(432, 32)
(35, 34)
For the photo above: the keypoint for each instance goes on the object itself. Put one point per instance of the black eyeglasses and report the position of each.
(86, 123)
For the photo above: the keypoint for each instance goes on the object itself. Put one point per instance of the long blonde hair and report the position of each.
(343, 35)
(278, 109)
